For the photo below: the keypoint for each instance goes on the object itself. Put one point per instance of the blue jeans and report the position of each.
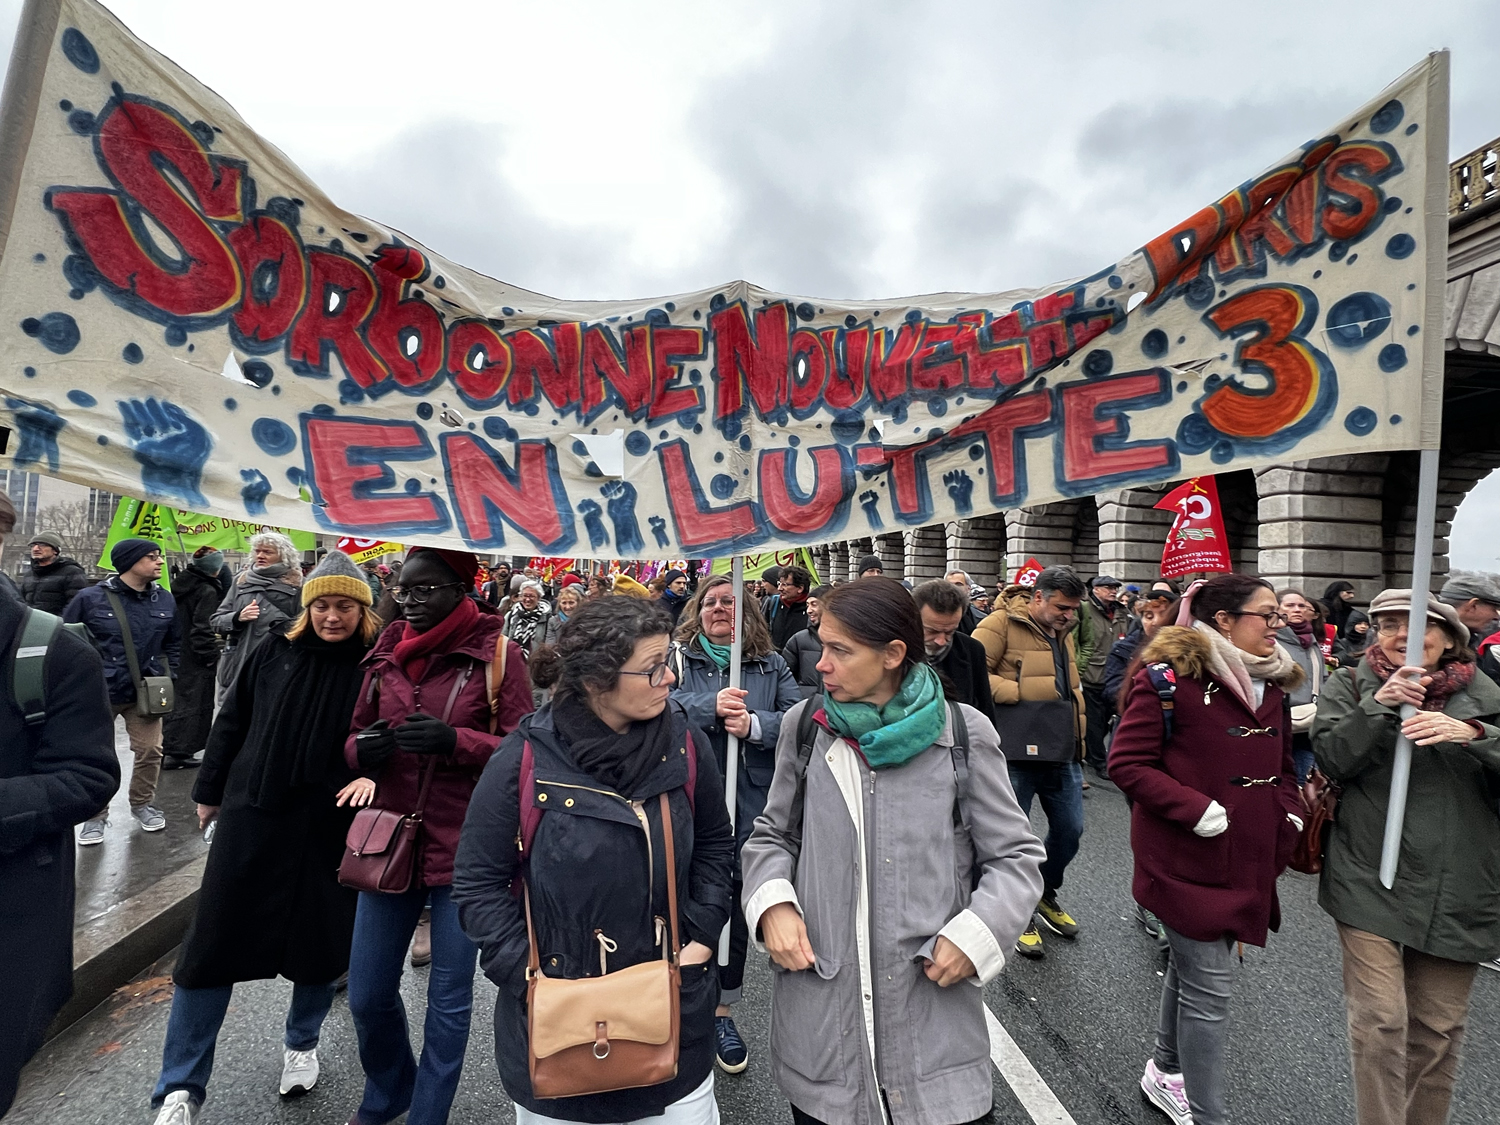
(394, 1081)
(1302, 756)
(1060, 786)
(187, 1057)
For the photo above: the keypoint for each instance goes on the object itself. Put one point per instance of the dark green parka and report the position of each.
(1446, 898)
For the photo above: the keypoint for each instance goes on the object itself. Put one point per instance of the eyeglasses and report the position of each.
(1393, 625)
(416, 595)
(656, 675)
(1274, 620)
(717, 603)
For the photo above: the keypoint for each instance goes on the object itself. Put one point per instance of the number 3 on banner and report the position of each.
(1278, 315)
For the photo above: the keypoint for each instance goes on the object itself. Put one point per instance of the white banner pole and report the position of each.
(732, 754)
(1421, 580)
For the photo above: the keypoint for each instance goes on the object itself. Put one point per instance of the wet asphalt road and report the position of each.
(1084, 1016)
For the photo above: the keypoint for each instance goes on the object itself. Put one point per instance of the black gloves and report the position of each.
(424, 734)
(374, 745)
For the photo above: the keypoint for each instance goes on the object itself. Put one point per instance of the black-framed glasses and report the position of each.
(416, 595)
(656, 675)
(1274, 620)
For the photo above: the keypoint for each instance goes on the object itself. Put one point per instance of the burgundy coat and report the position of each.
(388, 694)
(1206, 888)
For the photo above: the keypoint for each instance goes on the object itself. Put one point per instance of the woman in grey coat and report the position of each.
(884, 898)
(263, 594)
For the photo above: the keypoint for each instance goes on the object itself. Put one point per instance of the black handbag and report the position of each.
(1043, 730)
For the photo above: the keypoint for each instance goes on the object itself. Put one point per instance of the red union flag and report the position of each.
(1026, 576)
(1197, 542)
(363, 550)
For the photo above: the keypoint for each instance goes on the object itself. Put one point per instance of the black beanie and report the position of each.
(870, 562)
(127, 552)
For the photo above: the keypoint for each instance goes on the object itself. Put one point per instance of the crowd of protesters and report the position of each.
(376, 748)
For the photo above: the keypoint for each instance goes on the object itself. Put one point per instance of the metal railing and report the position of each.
(1474, 178)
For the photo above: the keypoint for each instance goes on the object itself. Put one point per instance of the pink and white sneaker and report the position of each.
(1167, 1093)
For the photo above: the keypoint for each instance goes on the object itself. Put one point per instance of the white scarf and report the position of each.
(1236, 667)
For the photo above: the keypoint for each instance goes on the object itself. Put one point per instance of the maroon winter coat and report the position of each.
(395, 697)
(1206, 888)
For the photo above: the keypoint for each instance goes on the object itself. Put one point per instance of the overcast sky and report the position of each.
(841, 150)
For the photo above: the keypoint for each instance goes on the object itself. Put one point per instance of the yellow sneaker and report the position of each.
(1029, 944)
(1058, 920)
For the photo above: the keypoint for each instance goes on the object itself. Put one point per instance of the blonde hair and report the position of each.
(370, 624)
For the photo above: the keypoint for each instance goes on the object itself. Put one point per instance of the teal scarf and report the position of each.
(719, 654)
(896, 733)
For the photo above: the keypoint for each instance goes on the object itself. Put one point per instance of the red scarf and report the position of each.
(1447, 681)
(413, 648)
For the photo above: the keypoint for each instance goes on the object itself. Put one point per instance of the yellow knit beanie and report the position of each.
(336, 576)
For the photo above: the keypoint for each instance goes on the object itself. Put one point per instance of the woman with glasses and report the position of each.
(1410, 952)
(1305, 637)
(602, 755)
(1203, 750)
(428, 718)
(884, 889)
(752, 712)
(527, 620)
(264, 594)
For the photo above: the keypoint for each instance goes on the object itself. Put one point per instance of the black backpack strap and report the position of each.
(807, 736)
(960, 751)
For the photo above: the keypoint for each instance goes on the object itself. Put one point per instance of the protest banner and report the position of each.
(1027, 575)
(758, 563)
(1196, 541)
(186, 316)
(185, 532)
(367, 550)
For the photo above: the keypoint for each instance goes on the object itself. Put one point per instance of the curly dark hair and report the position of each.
(597, 641)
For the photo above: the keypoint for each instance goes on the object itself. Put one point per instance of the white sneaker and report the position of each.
(178, 1109)
(152, 818)
(1167, 1093)
(299, 1071)
(92, 831)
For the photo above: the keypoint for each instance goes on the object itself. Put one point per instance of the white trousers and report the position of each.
(697, 1108)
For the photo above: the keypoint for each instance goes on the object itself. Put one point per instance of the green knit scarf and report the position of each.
(719, 654)
(896, 733)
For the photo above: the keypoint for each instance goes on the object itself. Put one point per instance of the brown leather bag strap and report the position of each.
(533, 958)
(666, 831)
(494, 676)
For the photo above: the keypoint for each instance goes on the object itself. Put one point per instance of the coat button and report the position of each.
(568, 803)
(541, 796)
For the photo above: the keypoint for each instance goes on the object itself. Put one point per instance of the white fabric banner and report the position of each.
(187, 318)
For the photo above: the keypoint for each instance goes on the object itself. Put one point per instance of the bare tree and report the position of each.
(82, 537)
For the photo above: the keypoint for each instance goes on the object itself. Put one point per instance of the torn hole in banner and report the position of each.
(234, 373)
(606, 452)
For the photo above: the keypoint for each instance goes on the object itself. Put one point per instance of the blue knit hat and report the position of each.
(127, 552)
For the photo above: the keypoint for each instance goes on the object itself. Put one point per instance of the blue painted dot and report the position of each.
(793, 440)
(1412, 128)
(663, 435)
(592, 469)
(1182, 339)
(231, 404)
(531, 410)
(256, 371)
(498, 428)
(1352, 259)
(1392, 205)
(1360, 421)
(1412, 286)
(1414, 329)
(29, 372)
(79, 51)
(131, 353)
(1317, 274)
(805, 311)
(39, 257)
(83, 399)
(723, 486)
(412, 486)
(1355, 320)
(424, 410)
(1098, 363)
(1400, 246)
(1395, 419)
(102, 439)
(1222, 452)
(273, 436)
(1115, 281)
(1195, 434)
(176, 335)
(937, 406)
(1337, 251)
(976, 452)
(351, 392)
(698, 428)
(719, 458)
(637, 443)
(580, 449)
(1392, 358)
(847, 427)
(275, 390)
(1387, 117)
(1181, 387)
(324, 408)
(1154, 344)
(81, 121)
(57, 332)
(296, 476)
(1198, 292)
(745, 442)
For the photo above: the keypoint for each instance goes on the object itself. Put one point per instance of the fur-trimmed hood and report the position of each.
(1187, 651)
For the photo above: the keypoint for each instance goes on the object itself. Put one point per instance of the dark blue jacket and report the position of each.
(772, 691)
(51, 778)
(1121, 653)
(588, 871)
(153, 627)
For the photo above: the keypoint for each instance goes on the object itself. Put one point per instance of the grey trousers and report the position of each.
(1192, 1033)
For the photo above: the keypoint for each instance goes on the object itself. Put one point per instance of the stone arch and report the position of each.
(1132, 532)
(1062, 533)
(977, 546)
(1458, 473)
(1320, 520)
(892, 551)
(926, 553)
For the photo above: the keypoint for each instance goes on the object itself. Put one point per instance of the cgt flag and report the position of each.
(1196, 544)
(186, 316)
(1027, 575)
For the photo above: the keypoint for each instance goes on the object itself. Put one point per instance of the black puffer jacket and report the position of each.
(585, 872)
(50, 588)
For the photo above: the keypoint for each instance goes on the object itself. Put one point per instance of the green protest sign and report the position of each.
(179, 530)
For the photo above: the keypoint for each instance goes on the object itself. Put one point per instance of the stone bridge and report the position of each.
(1304, 523)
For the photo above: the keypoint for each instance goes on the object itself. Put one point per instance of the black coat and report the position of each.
(802, 654)
(152, 614)
(967, 672)
(1121, 653)
(185, 729)
(50, 588)
(786, 621)
(585, 873)
(50, 780)
(271, 903)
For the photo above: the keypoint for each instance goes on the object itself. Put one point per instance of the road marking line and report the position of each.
(1035, 1096)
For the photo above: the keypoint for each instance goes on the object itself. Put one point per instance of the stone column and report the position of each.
(926, 553)
(1045, 532)
(858, 548)
(892, 551)
(1320, 520)
(838, 562)
(1132, 534)
(977, 546)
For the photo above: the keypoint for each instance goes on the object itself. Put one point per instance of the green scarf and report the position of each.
(719, 654)
(896, 733)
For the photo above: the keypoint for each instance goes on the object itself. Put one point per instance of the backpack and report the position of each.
(1164, 682)
(28, 680)
(807, 734)
(531, 813)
